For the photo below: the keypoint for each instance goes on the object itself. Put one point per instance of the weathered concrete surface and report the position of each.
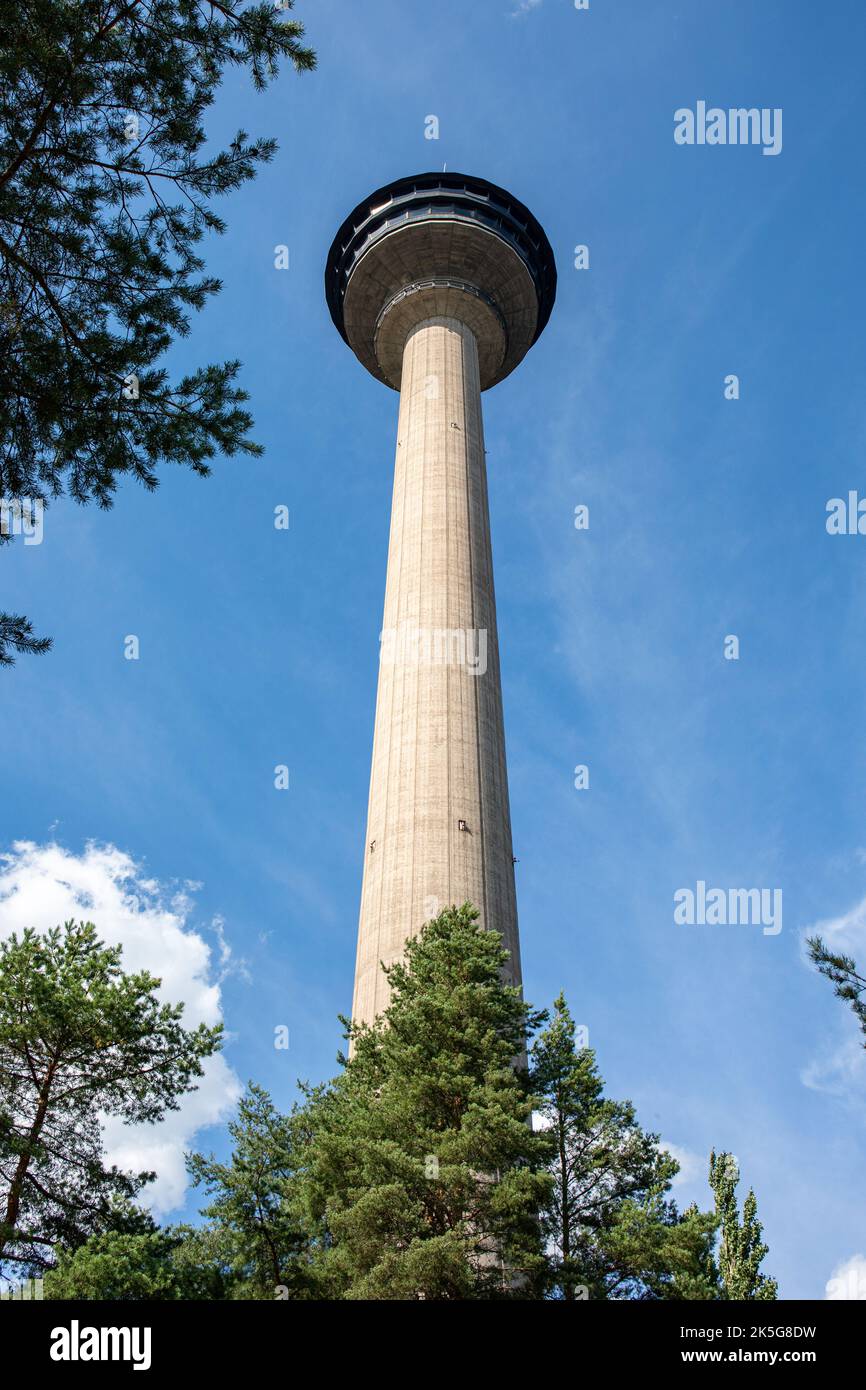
(439, 749)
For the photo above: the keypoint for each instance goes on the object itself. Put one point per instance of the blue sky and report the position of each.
(707, 518)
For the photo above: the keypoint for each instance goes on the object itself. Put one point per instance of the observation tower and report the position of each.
(440, 284)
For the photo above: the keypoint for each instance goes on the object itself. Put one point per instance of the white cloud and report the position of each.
(523, 7)
(693, 1166)
(848, 1281)
(42, 886)
(845, 934)
(840, 1070)
(227, 962)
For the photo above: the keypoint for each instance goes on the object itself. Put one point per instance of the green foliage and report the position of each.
(16, 635)
(649, 1250)
(78, 1037)
(609, 1231)
(741, 1249)
(254, 1230)
(125, 1267)
(422, 1174)
(842, 970)
(415, 1174)
(105, 192)
(199, 1260)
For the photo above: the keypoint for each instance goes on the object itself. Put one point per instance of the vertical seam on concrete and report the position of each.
(412, 926)
(400, 473)
(472, 391)
(449, 795)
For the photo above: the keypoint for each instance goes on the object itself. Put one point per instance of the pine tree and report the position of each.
(252, 1218)
(610, 1230)
(423, 1175)
(149, 1265)
(78, 1039)
(105, 192)
(842, 970)
(741, 1249)
(650, 1250)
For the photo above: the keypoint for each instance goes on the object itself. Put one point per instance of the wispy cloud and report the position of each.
(848, 1281)
(693, 1166)
(523, 8)
(846, 933)
(840, 1070)
(228, 965)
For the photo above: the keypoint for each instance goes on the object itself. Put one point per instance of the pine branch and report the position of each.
(16, 635)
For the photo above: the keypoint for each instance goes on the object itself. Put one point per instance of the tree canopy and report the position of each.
(842, 971)
(423, 1177)
(437, 1165)
(106, 189)
(78, 1038)
(253, 1229)
(611, 1231)
(741, 1248)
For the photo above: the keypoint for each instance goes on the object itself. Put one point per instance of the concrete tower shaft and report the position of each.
(438, 747)
(440, 284)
